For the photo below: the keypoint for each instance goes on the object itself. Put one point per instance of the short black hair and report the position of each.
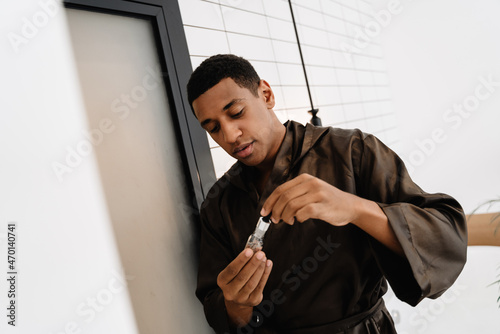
(212, 70)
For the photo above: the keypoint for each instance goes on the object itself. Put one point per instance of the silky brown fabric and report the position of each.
(323, 274)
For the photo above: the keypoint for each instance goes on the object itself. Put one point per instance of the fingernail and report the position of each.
(248, 252)
(262, 212)
(260, 256)
(269, 263)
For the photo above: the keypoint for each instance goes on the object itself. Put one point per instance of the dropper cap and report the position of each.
(262, 226)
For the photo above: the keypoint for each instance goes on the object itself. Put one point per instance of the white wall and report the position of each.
(414, 59)
(76, 272)
(469, 306)
(349, 85)
(436, 53)
(66, 249)
(423, 57)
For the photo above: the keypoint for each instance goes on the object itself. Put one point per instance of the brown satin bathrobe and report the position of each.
(328, 279)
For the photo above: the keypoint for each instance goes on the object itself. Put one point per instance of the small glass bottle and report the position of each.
(256, 239)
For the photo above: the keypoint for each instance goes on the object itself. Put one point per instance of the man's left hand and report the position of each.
(307, 197)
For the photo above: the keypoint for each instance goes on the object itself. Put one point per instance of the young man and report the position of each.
(347, 217)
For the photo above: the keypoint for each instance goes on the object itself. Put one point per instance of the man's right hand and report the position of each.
(242, 283)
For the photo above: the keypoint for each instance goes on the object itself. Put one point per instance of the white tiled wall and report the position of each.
(349, 92)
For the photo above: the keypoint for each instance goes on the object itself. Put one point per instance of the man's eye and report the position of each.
(214, 129)
(238, 114)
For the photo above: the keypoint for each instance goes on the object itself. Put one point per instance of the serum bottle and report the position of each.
(256, 239)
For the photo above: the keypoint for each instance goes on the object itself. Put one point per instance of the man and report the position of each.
(346, 217)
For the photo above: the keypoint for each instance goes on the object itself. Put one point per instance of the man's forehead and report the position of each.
(221, 97)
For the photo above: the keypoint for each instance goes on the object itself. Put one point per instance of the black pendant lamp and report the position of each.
(315, 120)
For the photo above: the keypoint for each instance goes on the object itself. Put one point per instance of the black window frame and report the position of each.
(174, 59)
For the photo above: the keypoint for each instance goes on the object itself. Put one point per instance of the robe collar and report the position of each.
(298, 141)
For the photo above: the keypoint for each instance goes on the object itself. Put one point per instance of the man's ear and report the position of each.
(267, 94)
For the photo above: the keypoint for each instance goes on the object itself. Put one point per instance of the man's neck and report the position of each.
(264, 170)
(262, 177)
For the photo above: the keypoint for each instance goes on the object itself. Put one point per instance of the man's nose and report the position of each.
(231, 132)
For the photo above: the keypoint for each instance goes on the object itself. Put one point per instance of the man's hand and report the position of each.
(307, 197)
(242, 283)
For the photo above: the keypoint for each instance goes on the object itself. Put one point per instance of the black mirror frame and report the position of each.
(174, 58)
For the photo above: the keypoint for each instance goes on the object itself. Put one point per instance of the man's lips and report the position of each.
(244, 150)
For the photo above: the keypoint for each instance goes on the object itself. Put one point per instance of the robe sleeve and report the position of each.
(431, 228)
(215, 255)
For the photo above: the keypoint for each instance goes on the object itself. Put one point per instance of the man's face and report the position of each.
(243, 124)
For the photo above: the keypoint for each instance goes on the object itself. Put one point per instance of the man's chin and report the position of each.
(249, 161)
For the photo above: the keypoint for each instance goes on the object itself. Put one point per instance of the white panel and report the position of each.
(335, 25)
(374, 124)
(286, 52)
(280, 29)
(205, 42)
(312, 4)
(317, 56)
(364, 77)
(351, 15)
(201, 13)
(331, 8)
(381, 78)
(350, 94)
(364, 7)
(327, 29)
(249, 5)
(327, 95)
(354, 111)
(369, 93)
(246, 23)
(197, 60)
(372, 109)
(362, 62)
(278, 9)
(319, 76)
(331, 115)
(291, 74)
(296, 97)
(313, 36)
(281, 114)
(249, 47)
(383, 92)
(269, 72)
(358, 124)
(300, 115)
(280, 100)
(308, 17)
(346, 77)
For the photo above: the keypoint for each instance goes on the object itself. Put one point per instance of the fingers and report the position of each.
(288, 200)
(308, 211)
(290, 197)
(253, 281)
(230, 272)
(262, 283)
(259, 281)
(299, 209)
(248, 271)
(240, 286)
(276, 194)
